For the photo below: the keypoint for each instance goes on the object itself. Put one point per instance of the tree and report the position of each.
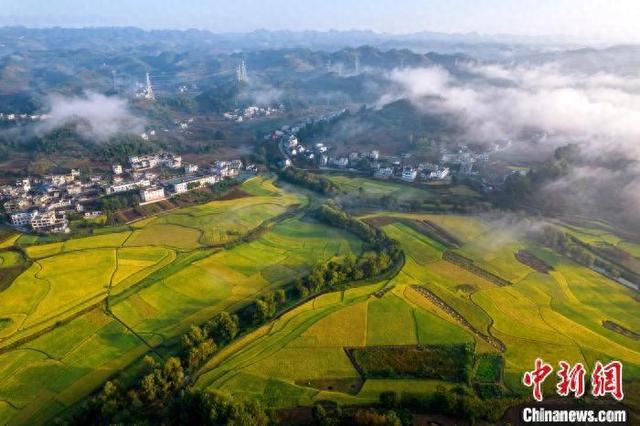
(194, 337)
(320, 416)
(371, 418)
(110, 398)
(280, 297)
(516, 187)
(173, 373)
(198, 346)
(389, 399)
(149, 388)
(260, 156)
(263, 311)
(199, 354)
(300, 287)
(223, 327)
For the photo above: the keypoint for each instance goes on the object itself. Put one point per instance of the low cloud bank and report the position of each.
(540, 108)
(94, 116)
(495, 102)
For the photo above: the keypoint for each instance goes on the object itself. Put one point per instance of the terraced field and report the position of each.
(557, 316)
(300, 358)
(88, 308)
(224, 278)
(378, 188)
(400, 191)
(83, 310)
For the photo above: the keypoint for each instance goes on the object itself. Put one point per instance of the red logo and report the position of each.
(605, 379)
(537, 377)
(571, 379)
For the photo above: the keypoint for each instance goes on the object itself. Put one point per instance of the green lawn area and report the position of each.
(54, 370)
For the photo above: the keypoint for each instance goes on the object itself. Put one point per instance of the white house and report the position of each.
(50, 221)
(152, 194)
(25, 184)
(23, 218)
(128, 186)
(341, 162)
(384, 172)
(184, 185)
(440, 173)
(409, 174)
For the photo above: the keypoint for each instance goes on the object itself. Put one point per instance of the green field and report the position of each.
(305, 348)
(379, 188)
(83, 310)
(556, 317)
(57, 341)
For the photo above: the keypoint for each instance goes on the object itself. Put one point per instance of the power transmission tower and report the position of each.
(148, 91)
(241, 73)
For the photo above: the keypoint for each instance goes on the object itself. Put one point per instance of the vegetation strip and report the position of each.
(497, 344)
(466, 263)
(613, 326)
(441, 362)
(531, 260)
(433, 231)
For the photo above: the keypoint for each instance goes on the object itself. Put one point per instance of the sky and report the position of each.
(607, 20)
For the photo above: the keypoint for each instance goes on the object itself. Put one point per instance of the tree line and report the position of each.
(518, 187)
(569, 246)
(311, 181)
(163, 394)
(382, 253)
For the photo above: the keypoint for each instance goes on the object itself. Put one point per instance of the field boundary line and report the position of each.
(33, 309)
(19, 342)
(135, 333)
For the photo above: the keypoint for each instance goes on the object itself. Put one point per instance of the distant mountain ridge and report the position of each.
(262, 39)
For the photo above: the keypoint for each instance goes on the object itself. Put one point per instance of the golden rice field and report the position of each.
(58, 340)
(85, 309)
(556, 316)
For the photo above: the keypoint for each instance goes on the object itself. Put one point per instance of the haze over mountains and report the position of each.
(300, 225)
(536, 92)
(78, 38)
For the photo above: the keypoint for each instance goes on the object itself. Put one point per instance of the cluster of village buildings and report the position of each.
(22, 117)
(41, 204)
(249, 113)
(462, 160)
